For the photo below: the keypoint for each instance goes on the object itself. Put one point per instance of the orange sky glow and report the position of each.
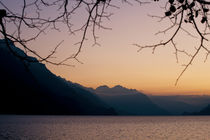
(117, 62)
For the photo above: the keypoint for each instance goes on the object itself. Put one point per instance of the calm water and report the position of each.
(103, 128)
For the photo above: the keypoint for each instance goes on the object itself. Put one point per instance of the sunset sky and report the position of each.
(117, 62)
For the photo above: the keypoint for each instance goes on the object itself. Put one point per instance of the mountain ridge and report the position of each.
(36, 90)
(128, 101)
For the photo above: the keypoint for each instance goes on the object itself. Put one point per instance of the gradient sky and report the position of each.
(117, 62)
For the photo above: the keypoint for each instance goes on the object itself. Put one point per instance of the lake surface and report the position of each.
(14, 127)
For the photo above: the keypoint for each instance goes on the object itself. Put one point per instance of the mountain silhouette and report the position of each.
(177, 104)
(204, 111)
(128, 101)
(30, 88)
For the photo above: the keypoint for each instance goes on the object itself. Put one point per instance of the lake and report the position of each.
(15, 127)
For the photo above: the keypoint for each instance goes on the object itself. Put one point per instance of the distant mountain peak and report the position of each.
(103, 87)
(116, 90)
(119, 87)
(128, 101)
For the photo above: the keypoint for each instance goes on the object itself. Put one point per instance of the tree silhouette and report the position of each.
(191, 12)
(31, 16)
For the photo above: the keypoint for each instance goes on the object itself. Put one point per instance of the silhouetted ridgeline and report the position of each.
(204, 111)
(38, 91)
(35, 90)
(177, 104)
(128, 101)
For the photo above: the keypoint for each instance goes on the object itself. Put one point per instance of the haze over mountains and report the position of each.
(33, 89)
(121, 98)
(128, 101)
(177, 104)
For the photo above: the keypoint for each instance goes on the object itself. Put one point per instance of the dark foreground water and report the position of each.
(104, 128)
